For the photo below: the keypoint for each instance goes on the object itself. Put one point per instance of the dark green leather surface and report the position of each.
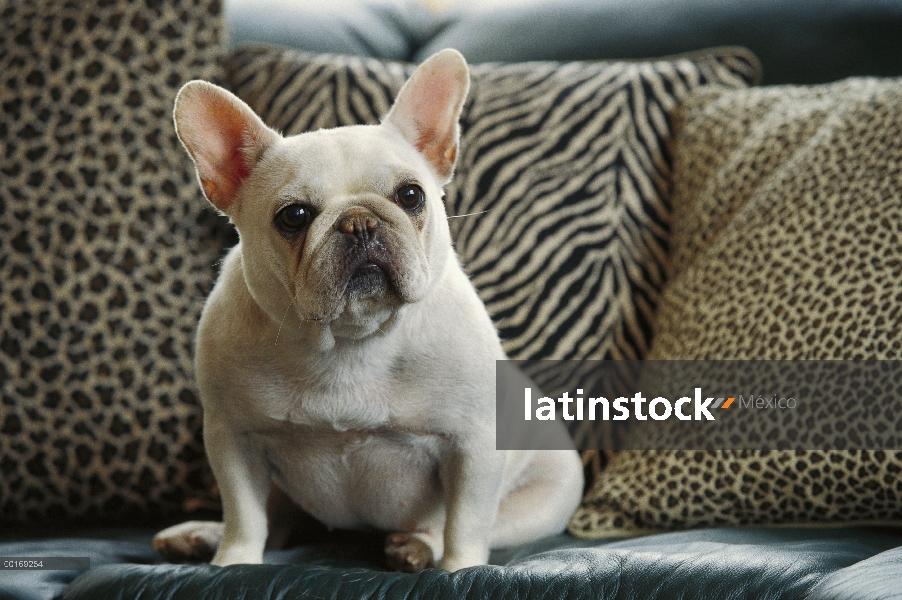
(102, 546)
(393, 32)
(704, 564)
(877, 577)
(797, 41)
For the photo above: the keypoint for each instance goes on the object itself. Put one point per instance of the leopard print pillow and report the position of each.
(786, 245)
(107, 251)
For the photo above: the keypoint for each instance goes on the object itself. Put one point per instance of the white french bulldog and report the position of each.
(343, 357)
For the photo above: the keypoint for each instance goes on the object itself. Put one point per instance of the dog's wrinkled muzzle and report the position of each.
(368, 264)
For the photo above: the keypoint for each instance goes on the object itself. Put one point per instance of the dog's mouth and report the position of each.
(367, 279)
(370, 275)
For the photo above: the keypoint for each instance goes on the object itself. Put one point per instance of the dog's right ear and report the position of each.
(427, 109)
(223, 136)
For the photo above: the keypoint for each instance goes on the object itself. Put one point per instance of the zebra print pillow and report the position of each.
(559, 206)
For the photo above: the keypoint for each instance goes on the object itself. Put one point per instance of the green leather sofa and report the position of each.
(797, 42)
(765, 563)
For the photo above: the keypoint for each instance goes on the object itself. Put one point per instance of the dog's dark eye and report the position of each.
(410, 197)
(293, 218)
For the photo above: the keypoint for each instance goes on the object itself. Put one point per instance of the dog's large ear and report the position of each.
(428, 107)
(223, 136)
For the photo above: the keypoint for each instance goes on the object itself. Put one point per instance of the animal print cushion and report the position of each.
(106, 253)
(787, 234)
(559, 208)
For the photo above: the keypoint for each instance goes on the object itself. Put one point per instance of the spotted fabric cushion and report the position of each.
(786, 245)
(559, 206)
(107, 251)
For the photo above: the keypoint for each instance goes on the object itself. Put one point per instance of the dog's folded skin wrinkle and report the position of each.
(345, 364)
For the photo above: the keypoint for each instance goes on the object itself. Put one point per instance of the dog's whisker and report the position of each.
(469, 214)
(285, 316)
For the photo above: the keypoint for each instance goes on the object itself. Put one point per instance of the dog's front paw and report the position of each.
(408, 554)
(462, 559)
(194, 541)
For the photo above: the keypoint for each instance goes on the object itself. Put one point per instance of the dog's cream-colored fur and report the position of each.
(369, 404)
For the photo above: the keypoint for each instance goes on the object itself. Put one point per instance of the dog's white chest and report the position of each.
(381, 479)
(340, 445)
(337, 403)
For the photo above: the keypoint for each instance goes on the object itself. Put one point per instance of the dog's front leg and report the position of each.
(243, 476)
(471, 477)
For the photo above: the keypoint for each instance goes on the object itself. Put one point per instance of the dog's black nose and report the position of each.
(358, 223)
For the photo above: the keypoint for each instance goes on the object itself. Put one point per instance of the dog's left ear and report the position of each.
(428, 107)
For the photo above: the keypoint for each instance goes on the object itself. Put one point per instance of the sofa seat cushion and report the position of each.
(876, 577)
(753, 563)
